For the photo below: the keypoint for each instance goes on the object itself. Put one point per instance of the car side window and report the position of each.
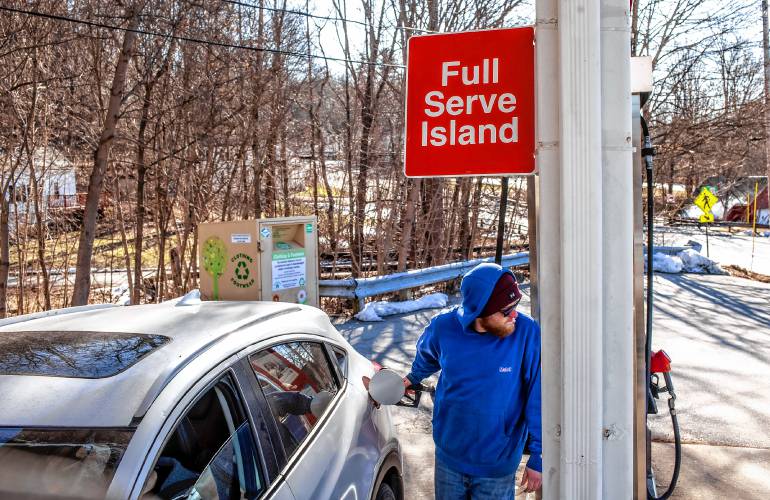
(211, 453)
(341, 357)
(297, 382)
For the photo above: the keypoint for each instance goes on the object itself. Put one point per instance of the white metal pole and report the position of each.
(618, 278)
(581, 248)
(549, 238)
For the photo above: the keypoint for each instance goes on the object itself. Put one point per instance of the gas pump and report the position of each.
(656, 363)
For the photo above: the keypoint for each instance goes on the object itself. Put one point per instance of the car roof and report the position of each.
(117, 400)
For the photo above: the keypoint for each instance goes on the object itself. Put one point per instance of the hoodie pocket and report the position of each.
(470, 436)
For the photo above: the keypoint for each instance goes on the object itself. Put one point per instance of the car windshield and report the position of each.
(59, 463)
(73, 354)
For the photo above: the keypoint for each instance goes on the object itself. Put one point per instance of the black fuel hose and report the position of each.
(677, 440)
(647, 154)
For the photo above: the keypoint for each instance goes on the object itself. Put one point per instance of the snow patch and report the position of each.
(374, 311)
(688, 261)
(696, 263)
(120, 295)
(664, 263)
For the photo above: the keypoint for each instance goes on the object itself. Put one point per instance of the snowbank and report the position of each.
(694, 262)
(765, 234)
(373, 311)
(120, 295)
(688, 261)
(664, 263)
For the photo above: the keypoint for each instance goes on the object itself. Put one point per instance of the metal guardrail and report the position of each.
(361, 288)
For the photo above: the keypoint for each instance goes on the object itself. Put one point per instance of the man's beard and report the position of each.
(498, 331)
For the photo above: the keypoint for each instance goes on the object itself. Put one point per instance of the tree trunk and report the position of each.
(408, 222)
(124, 240)
(367, 118)
(446, 251)
(330, 231)
(5, 257)
(465, 214)
(82, 287)
(766, 53)
(312, 116)
(257, 180)
(40, 231)
(475, 206)
(285, 175)
(141, 173)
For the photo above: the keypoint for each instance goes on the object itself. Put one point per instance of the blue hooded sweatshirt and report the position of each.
(487, 403)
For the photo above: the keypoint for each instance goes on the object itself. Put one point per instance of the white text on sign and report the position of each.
(437, 104)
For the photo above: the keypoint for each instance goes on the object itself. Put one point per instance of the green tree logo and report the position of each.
(214, 260)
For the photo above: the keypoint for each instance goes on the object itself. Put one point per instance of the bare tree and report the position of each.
(101, 155)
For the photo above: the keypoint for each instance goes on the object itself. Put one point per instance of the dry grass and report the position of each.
(745, 273)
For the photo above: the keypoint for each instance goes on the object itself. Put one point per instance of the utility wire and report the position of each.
(316, 16)
(303, 55)
(296, 12)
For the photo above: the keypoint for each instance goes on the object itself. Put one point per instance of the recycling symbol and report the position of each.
(241, 276)
(241, 271)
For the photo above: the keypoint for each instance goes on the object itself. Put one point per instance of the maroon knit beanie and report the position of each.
(506, 291)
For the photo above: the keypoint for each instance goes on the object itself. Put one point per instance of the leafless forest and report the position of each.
(124, 124)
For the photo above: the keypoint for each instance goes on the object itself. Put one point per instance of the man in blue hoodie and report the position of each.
(487, 402)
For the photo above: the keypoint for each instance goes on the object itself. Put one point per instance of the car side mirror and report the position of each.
(386, 387)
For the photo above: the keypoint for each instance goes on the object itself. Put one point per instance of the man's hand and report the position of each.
(531, 480)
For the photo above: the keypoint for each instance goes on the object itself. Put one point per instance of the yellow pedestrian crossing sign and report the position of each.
(705, 200)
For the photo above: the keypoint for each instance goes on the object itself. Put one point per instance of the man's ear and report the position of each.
(477, 325)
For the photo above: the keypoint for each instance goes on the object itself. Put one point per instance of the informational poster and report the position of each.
(289, 269)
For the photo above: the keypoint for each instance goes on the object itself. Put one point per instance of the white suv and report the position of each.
(190, 399)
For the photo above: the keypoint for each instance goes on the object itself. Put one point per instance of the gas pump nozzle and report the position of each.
(660, 363)
(413, 394)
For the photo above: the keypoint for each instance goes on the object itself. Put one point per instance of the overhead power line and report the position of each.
(296, 12)
(303, 55)
(316, 16)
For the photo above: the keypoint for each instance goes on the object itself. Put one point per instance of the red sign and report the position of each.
(470, 103)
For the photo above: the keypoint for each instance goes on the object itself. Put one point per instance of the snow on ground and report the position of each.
(723, 248)
(374, 311)
(687, 261)
(121, 295)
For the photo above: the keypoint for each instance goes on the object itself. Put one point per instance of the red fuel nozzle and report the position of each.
(660, 362)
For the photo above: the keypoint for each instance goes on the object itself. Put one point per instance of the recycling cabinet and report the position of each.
(266, 259)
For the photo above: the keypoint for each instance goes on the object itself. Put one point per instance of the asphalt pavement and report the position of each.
(716, 329)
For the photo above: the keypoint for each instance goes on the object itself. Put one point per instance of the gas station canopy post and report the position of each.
(585, 240)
